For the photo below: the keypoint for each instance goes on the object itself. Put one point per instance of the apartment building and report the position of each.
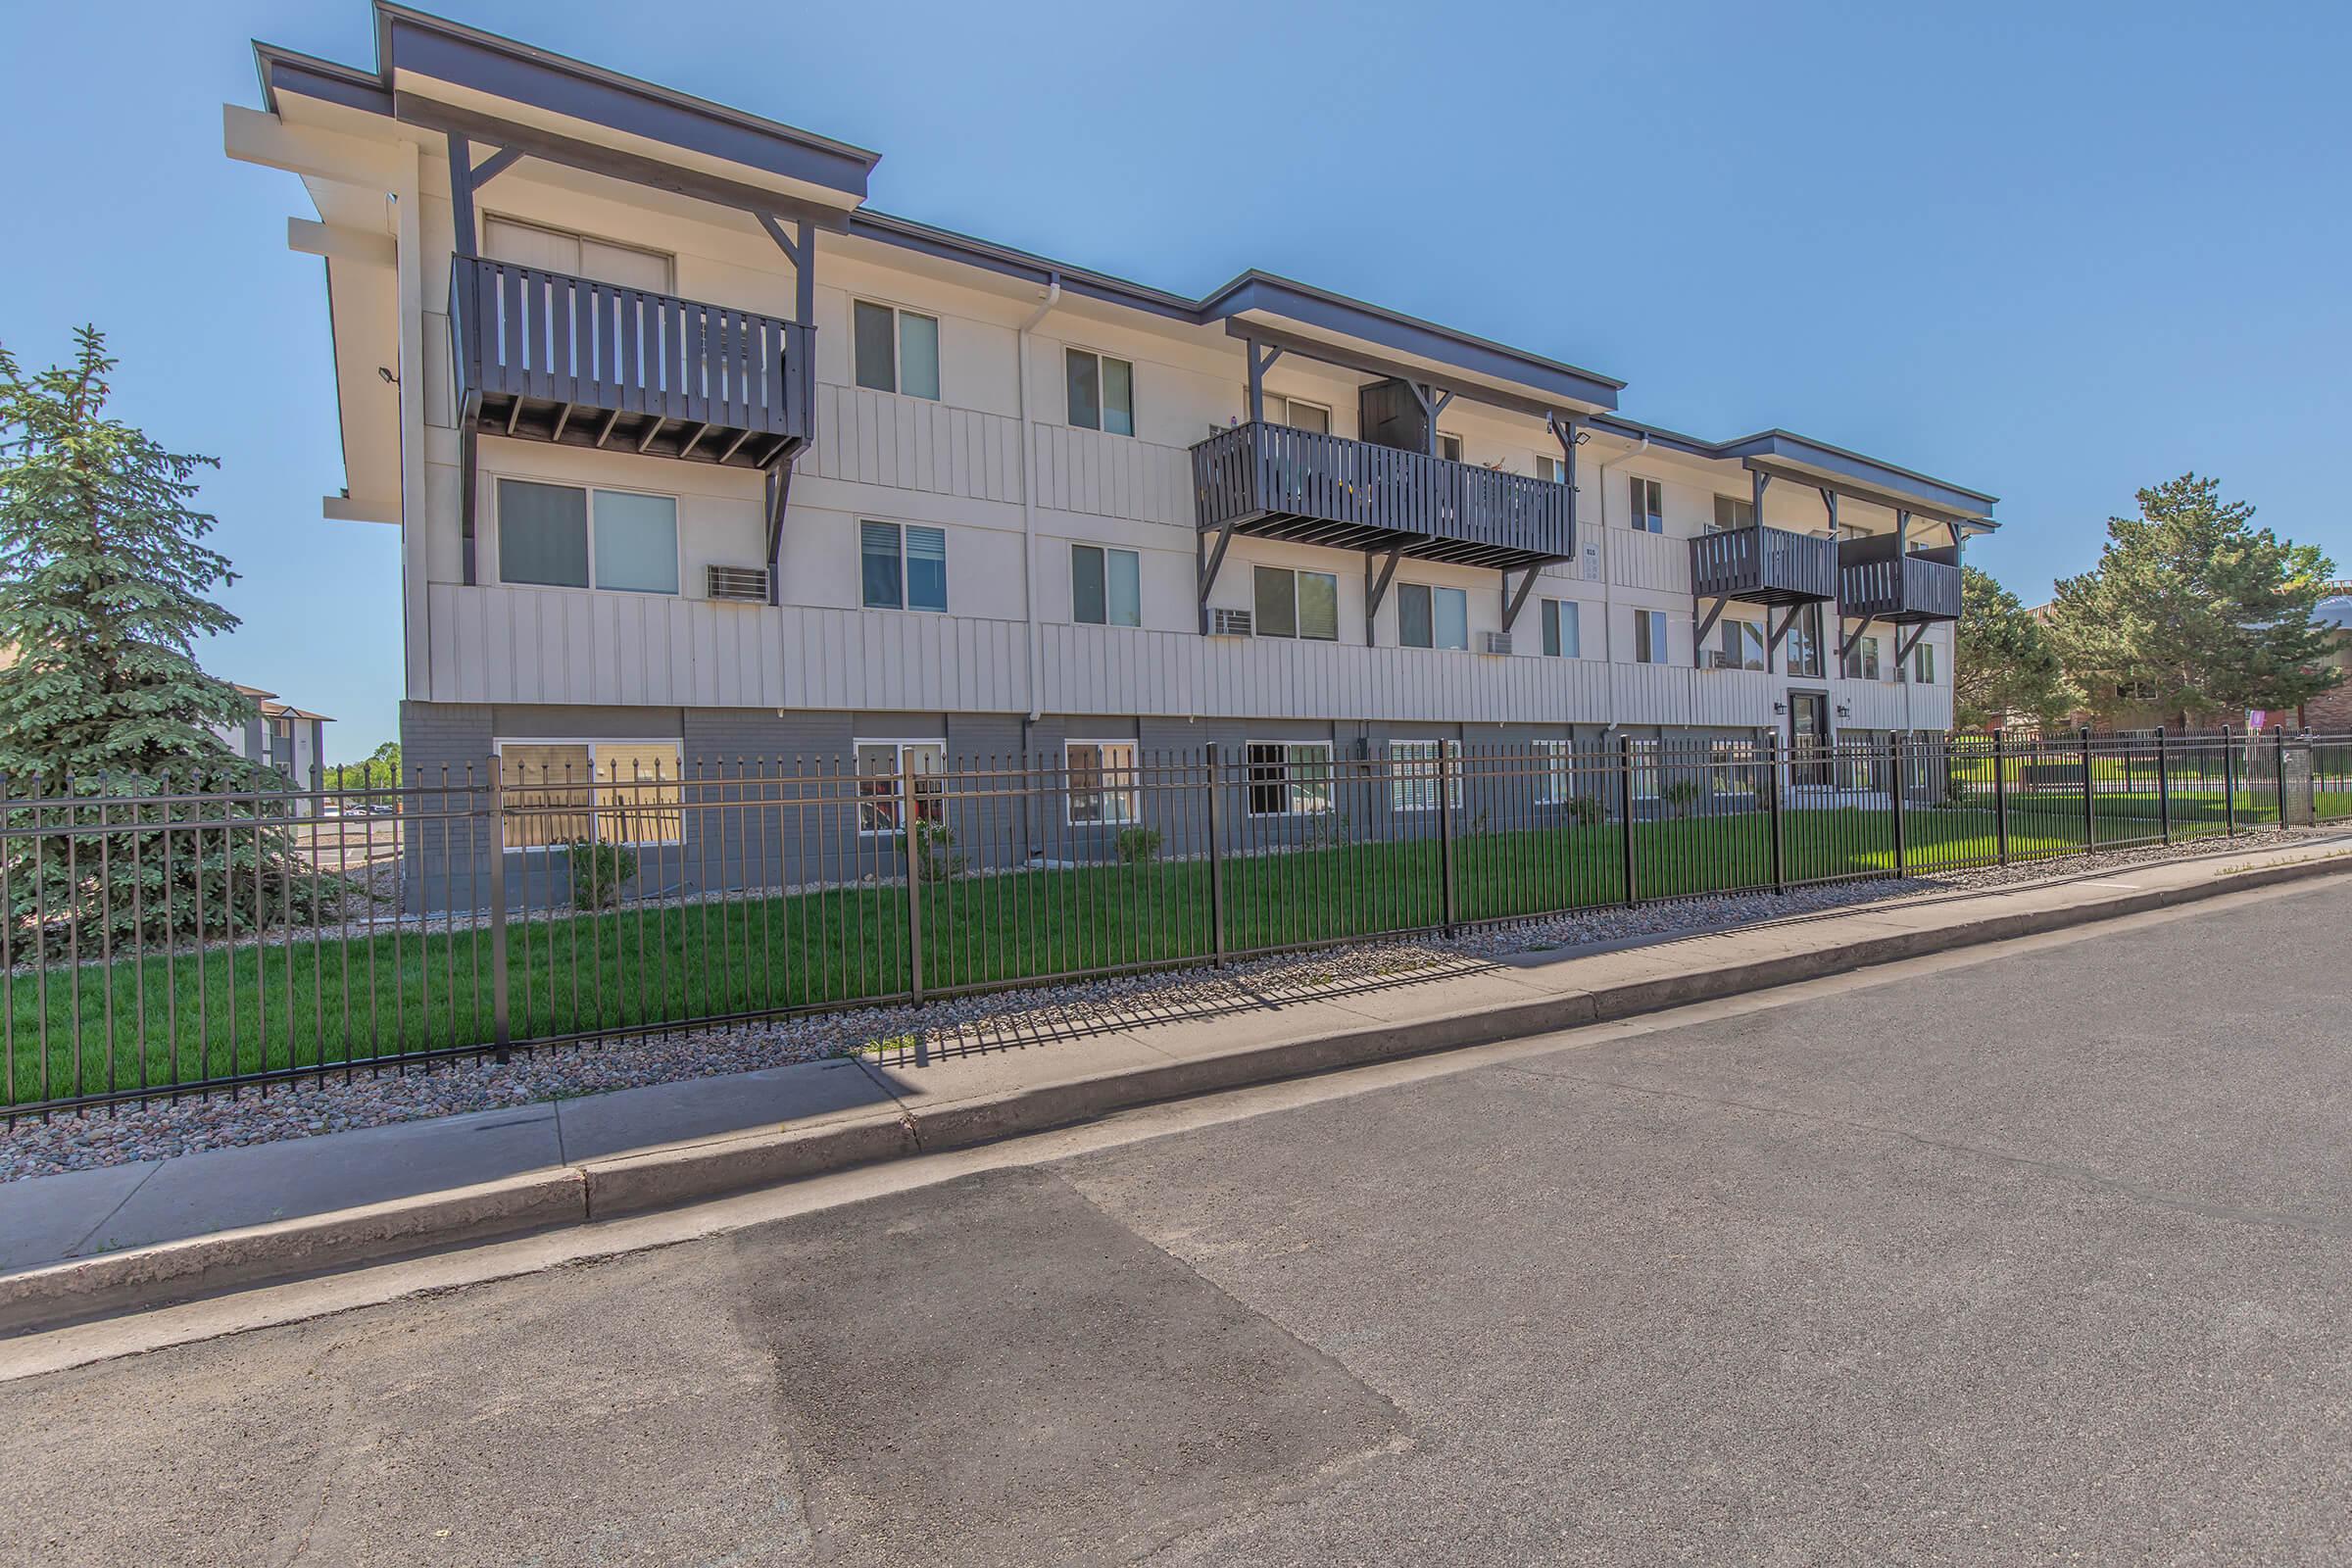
(697, 460)
(281, 736)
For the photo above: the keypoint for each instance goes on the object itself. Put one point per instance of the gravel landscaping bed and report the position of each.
(160, 1128)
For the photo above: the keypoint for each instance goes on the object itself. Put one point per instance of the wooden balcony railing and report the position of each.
(1272, 480)
(550, 357)
(1876, 579)
(1763, 566)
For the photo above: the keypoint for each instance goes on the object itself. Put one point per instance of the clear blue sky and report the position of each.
(2052, 252)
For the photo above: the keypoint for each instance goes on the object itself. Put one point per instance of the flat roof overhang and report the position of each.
(1795, 459)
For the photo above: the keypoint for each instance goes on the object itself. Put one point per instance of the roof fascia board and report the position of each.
(1868, 472)
(306, 77)
(1848, 490)
(1373, 364)
(414, 42)
(432, 115)
(1405, 334)
(948, 246)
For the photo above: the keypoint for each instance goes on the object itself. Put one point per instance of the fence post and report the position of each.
(1217, 862)
(1895, 795)
(913, 825)
(2278, 759)
(2001, 796)
(2090, 809)
(2228, 781)
(1446, 777)
(501, 1023)
(2164, 786)
(1625, 811)
(1772, 802)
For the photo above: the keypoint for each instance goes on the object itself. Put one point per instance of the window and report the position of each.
(1105, 586)
(1649, 507)
(553, 250)
(1645, 770)
(1805, 643)
(1552, 470)
(1733, 768)
(1449, 447)
(615, 792)
(1923, 663)
(1552, 772)
(1562, 636)
(904, 567)
(1102, 392)
(1650, 636)
(897, 350)
(1742, 644)
(1732, 512)
(1299, 415)
(1297, 603)
(1290, 778)
(881, 764)
(1432, 617)
(1102, 782)
(562, 536)
(1862, 660)
(1413, 775)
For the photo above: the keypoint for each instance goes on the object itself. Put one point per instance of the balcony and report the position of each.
(1760, 565)
(1275, 482)
(1878, 580)
(545, 357)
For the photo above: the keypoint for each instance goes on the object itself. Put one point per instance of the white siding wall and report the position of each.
(957, 464)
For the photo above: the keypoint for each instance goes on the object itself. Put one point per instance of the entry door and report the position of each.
(1809, 736)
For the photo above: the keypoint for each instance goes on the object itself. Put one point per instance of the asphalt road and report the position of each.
(2042, 1258)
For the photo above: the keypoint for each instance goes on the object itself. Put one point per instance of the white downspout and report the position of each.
(1608, 573)
(1037, 686)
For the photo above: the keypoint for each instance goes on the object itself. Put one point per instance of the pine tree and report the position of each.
(104, 584)
(2003, 667)
(2194, 609)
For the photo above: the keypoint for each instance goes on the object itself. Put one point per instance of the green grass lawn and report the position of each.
(165, 1020)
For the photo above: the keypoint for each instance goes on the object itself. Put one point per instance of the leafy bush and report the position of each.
(1680, 796)
(1584, 810)
(935, 841)
(599, 872)
(1138, 845)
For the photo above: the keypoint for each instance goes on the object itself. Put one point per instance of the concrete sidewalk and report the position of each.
(207, 1221)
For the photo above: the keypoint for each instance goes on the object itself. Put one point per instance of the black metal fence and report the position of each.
(165, 944)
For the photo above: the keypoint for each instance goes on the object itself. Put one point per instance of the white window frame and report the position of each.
(1297, 633)
(1461, 450)
(1856, 668)
(897, 350)
(1563, 612)
(930, 806)
(498, 750)
(1107, 552)
(901, 607)
(1432, 589)
(1125, 791)
(1068, 414)
(1552, 469)
(1551, 778)
(1647, 770)
(1661, 637)
(668, 259)
(497, 523)
(1923, 663)
(1290, 787)
(1413, 769)
(1715, 522)
(1638, 516)
(1324, 409)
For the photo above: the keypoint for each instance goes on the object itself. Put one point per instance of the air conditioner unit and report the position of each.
(1230, 623)
(743, 585)
(1498, 642)
(1713, 659)
(1590, 562)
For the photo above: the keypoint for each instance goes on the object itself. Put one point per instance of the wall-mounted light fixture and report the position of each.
(1846, 709)
(383, 373)
(1778, 707)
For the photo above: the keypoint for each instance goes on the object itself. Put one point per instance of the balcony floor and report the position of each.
(574, 424)
(1292, 529)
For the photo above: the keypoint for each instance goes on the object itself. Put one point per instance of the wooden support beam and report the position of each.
(497, 163)
(1699, 639)
(1513, 604)
(800, 249)
(606, 434)
(460, 192)
(701, 430)
(563, 422)
(779, 497)
(644, 437)
(513, 414)
(741, 436)
(1776, 635)
(469, 440)
(1855, 641)
(1905, 648)
(1262, 360)
(1376, 593)
(1207, 564)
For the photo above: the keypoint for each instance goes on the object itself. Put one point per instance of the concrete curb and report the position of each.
(665, 1178)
